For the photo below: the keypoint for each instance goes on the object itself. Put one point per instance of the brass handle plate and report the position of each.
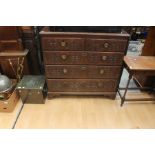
(101, 71)
(64, 57)
(63, 43)
(65, 71)
(100, 84)
(104, 57)
(106, 45)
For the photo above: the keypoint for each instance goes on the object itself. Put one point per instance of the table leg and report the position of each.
(123, 98)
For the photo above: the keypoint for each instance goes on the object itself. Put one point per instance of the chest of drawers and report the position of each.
(83, 63)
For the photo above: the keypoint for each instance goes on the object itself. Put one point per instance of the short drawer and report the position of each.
(81, 85)
(82, 71)
(63, 44)
(107, 45)
(70, 57)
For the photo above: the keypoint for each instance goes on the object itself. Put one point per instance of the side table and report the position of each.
(142, 65)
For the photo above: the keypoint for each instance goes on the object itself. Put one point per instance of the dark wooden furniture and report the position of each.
(30, 41)
(15, 58)
(142, 65)
(17, 38)
(11, 48)
(10, 38)
(83, 63)
(149, 46)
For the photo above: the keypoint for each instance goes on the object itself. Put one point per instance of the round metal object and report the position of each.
(5, 84)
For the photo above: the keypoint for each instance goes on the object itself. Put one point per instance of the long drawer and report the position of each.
(106, 45)
(81, 85)
(82, 71)
(63, 44)
(78, 57)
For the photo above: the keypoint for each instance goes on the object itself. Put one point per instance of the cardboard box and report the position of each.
(9, 104)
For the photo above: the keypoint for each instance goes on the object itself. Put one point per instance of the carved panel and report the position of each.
(64, 44)
(106, 45)
(82, 71)
(58, 85)
(70, 57)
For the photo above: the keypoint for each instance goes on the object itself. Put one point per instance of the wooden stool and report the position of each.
(142, 65)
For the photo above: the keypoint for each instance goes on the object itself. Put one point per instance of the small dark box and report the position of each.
(32, 89)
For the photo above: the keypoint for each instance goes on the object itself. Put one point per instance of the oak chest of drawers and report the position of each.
(83, 63)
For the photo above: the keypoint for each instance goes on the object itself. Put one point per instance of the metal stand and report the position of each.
(123, 98)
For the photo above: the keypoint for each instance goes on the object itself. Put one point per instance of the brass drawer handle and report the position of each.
(63, 43)
(65, 71)
(100, 84)
(106, 45)
(104, 57)
(101, 71)
(64, 57)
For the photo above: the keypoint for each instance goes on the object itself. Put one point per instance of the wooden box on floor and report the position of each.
(9, 104)
(32, 89)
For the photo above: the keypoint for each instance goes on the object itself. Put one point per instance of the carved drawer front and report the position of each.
(107, 45)
(82, 71)
(62, 44)
(71, 57)
(81, 85)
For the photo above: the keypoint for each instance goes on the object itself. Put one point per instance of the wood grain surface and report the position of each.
(88, 112)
